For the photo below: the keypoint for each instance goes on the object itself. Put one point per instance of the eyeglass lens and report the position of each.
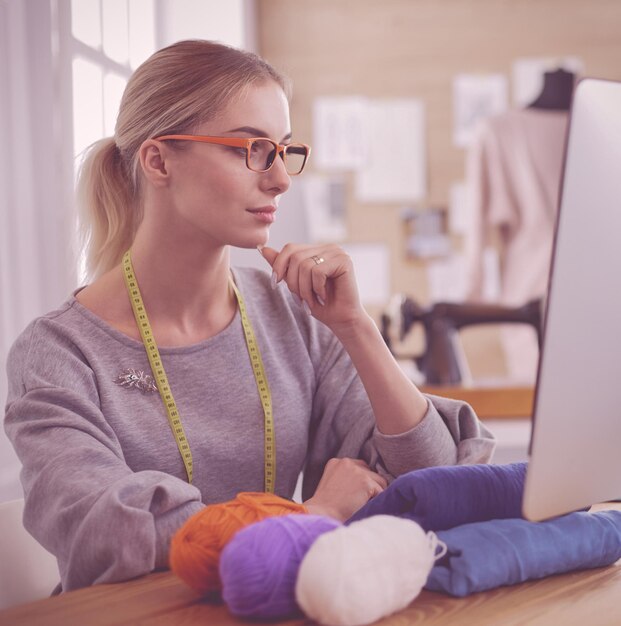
(262, 155)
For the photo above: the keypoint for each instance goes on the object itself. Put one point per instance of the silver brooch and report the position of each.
(136, 378)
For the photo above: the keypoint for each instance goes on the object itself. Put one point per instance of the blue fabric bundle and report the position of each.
(489, 554)
(438, 498)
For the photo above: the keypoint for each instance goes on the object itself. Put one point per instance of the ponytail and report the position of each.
(108, 207)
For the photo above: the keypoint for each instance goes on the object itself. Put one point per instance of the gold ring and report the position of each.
(317, 259)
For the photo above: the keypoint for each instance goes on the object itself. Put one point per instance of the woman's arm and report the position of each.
(397, 403)
(102, 521)
(343, 424)
(323, 277)
(343, 427)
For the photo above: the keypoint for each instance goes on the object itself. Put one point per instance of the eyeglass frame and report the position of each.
(244, 142)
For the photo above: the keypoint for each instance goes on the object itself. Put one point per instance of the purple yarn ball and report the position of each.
(259, 566)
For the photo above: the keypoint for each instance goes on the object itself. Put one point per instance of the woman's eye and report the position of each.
(239, 151)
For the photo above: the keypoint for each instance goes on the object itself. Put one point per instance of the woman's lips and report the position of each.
(266, 214)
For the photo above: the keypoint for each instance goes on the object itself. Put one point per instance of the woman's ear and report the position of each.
(153, 162)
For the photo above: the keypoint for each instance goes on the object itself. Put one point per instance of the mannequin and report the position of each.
(513, 170)
(557, 91)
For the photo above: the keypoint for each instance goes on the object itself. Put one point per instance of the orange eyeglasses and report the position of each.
(260, 151)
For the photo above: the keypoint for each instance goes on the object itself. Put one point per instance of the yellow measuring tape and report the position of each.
(161, 379)
(264, 393)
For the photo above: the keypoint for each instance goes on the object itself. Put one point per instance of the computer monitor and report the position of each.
(575, 450)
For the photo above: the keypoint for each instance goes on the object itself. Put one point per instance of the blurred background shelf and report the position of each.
(490, 402)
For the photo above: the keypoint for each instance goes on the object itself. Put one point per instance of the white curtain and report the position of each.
(37, 268)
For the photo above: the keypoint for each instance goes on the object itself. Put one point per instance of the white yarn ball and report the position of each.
(360, 573)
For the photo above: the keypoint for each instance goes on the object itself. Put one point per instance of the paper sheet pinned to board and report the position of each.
(476, 96)
(372, 267)
(395, 169)
(324, 207)
(447, 279)
(460, 208)
(339, 140)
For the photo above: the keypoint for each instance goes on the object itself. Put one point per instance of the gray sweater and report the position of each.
(104, 482)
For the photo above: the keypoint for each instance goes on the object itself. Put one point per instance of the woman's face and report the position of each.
(212, 192)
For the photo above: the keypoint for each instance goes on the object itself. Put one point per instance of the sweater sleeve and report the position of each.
(343, 425)
(102, 521)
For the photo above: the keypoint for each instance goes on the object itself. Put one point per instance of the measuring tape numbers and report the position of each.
(159, 374)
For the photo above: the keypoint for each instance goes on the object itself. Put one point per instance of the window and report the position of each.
(109, 40)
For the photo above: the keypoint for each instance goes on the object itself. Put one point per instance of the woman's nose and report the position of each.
(277, 178)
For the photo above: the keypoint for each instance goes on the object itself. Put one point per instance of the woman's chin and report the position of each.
(257, 241)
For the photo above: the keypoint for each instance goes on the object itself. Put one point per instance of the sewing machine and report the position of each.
(441, 362)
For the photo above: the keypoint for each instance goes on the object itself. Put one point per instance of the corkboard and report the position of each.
(414, 48)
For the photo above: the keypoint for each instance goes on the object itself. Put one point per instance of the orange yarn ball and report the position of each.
(195, 548)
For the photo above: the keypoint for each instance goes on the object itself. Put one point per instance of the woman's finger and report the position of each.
(319, 282)
(269, 254)
(374, 490)
(380, 480)
(280, 264)
(314, 273)
(299, 277)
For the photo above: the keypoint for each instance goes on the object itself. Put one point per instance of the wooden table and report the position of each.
(586, 598)
(490, 402)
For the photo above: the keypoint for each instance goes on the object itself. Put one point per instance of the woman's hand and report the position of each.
(345, 486)
(322, 277)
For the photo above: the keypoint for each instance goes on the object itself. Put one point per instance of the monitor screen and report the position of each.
(575, 452)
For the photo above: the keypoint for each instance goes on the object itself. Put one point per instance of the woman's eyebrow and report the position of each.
(256, 132)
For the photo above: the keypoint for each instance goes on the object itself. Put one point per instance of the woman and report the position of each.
(255, 378)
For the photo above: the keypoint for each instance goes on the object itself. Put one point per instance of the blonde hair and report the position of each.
(174, 91)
